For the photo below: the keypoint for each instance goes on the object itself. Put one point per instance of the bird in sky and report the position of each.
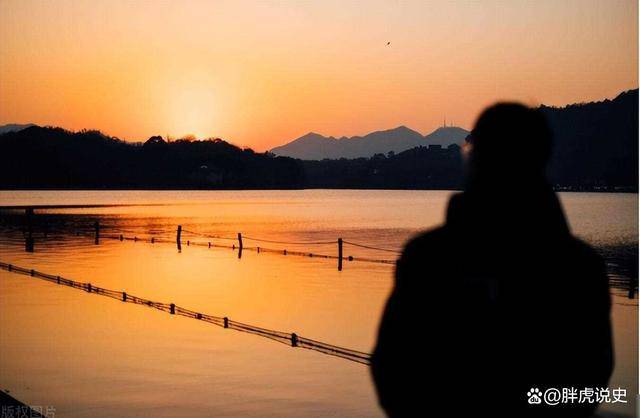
(388, 43)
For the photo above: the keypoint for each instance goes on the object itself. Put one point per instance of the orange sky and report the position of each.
(263, 73)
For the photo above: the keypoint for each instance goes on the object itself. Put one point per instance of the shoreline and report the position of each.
(625, 190)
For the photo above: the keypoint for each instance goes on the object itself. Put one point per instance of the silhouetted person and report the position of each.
(502, 298)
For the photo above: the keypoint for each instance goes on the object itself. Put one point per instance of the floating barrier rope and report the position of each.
(238, 245)
(334, 242)
(158, 235)
(291, 339)
(369, 247)
(209, 244)
(208, 236)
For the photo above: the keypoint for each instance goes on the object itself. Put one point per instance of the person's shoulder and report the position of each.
(426, 241)
(583, 250)
(423, 253)
(584, 255)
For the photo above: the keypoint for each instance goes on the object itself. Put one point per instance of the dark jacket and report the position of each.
(499, 300)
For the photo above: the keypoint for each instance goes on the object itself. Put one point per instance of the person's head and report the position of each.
(510, 143)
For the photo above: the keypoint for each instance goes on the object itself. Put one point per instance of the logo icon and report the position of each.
(535, 396)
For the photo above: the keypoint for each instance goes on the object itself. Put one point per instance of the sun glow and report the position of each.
(192, 109)
(263, 73)
(193, 113)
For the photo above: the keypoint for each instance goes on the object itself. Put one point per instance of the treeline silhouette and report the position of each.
(596, 144)
(418, 168)
(39, 157)
(596, 147)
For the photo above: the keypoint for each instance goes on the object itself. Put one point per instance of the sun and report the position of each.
(193, 111)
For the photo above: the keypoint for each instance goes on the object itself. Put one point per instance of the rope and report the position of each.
(151, 237)
(371, 247)
(189, 243)
(283, 337)
(291, 242)
(207, 236)
(372, 260)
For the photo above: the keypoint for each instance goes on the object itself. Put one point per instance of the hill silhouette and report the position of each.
(313, 146)
(596, 144)
(422, 167)
(45, 157)
(596, 148)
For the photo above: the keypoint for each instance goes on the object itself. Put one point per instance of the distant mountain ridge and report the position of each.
(14, 127)
(313, 146)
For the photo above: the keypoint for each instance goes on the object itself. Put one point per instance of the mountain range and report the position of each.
(596, 148)
(313, 146)
(14, 127)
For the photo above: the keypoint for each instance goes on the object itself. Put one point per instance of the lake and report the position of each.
(87, 355)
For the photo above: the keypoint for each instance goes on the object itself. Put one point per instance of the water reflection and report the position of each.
(67, 349)
(57, 229)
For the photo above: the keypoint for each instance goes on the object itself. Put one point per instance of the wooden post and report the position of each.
(124, 296)
(226, 322)
(172, 308)
(178, 234)
(339, 254)
(239, 245)
(89, 287)
(96, 227)
(294, 340)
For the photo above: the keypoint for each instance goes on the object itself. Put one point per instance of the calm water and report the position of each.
(93, 356)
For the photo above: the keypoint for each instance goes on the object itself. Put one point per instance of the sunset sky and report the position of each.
(262, 73)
